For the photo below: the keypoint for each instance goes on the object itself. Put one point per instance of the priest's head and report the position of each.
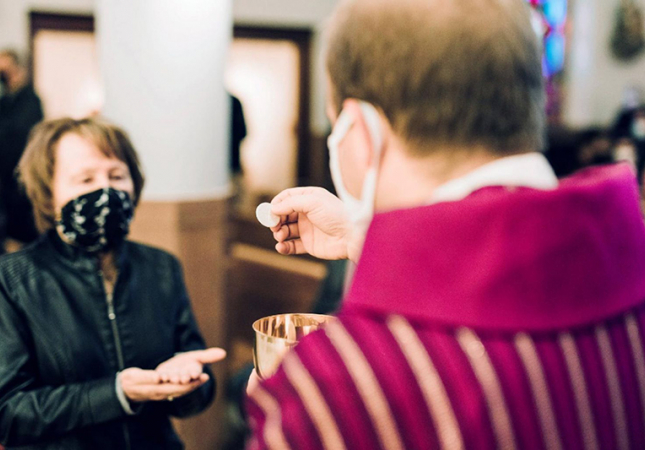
(426, 90)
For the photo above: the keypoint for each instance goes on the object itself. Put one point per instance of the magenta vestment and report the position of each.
(511, 319)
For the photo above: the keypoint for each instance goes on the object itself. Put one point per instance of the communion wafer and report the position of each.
(265, 216)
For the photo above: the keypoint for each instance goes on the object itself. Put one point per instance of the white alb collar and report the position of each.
(530, 170)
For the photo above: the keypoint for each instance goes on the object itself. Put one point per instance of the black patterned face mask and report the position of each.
(97, 221)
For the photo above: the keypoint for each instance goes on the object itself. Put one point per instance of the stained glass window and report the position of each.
(551, 15)
(550, 20)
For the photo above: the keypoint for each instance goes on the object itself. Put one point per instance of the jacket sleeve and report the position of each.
(31, 412)
(14, 130)
(188, 338)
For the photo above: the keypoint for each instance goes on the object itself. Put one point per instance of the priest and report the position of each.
(493, 306)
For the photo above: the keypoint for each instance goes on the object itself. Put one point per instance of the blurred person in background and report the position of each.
(594, 147)
(20, 110)
(562, 148)
(570, 150)
(628, 134)
(493, 306)
(238, 134)
(625, 150)
(99, 346)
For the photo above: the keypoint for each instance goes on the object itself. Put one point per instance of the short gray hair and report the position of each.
(446, 73)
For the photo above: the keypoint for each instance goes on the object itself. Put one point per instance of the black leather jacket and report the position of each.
(62, 341)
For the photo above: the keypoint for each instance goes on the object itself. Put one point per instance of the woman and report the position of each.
(99, 344)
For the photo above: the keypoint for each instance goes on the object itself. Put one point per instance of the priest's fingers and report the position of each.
(254, 382)
(288, 231)
(295, 192)
(298, 204)
(292, 247)
(285, 219)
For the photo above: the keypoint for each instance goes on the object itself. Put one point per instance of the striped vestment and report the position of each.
(511, 319)
(388, 383)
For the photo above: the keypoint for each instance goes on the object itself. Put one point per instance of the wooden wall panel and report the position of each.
(196, 233)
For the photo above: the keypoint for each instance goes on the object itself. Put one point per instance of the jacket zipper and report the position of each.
(115, 330)
(109, 299)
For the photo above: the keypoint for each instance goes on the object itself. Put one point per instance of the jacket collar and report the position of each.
(77, 257)
(520, 259)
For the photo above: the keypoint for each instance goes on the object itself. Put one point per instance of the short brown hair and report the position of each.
(445, 73)
(36, 167)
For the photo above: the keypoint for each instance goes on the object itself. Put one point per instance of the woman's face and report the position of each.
(81, 168)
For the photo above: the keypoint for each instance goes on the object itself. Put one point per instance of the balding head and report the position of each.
(445, 73)
(13, 75)
(12, 56)
(10, 61)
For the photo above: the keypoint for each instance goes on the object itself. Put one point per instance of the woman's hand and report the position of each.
(145, 385)
(174, 378)
(314, 221)
(188, 367)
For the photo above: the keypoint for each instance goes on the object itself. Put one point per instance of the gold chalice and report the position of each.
(275, 335)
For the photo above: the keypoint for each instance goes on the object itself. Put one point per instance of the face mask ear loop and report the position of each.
(360, 210)
(343, 124)
(372, 120)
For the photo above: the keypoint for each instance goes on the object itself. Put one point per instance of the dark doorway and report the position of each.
(64, 64)
(301, 39)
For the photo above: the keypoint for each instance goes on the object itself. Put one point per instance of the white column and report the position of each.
(163, 67)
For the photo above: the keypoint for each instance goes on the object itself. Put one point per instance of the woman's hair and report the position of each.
(36, 167)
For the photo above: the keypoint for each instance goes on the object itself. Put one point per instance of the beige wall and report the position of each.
(291, 12)
(14, 29)
(270, 110)
(304, 13)
(14, 17)
(596, 81)
(299, 13)
(74, 88)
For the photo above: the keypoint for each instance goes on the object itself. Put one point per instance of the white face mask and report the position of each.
(360, 211)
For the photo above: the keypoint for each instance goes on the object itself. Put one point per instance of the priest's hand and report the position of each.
(314, 221)
(253, 383)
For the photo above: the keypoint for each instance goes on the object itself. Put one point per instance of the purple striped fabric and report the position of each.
(471, 367)
(500, 363)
